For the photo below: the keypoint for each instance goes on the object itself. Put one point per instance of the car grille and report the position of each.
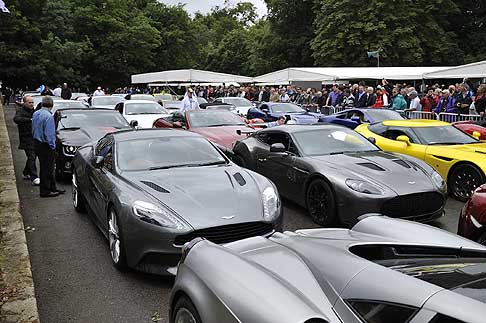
(413, 205)
(227, 233)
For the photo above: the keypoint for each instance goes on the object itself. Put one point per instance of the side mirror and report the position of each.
(404, 139)
(277, 148)
(476, 134)
(372, 140)
(134, 123)
(356, 119)
(97, 161)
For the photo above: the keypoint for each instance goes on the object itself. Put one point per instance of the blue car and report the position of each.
(352, 118)
(271, 111)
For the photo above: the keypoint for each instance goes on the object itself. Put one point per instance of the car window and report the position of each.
(262, 137)
(104, 145)
(380, 312)
(378, 128)
(439, 318)
(282, 138)
(393, 133)
(108, 160)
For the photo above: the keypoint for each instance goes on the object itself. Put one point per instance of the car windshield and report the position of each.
(144, 97)
(106, 100)
(144, 108)
(166, 152)
(239, 102)
(90, 120)
(382, 115)
(443, 135)
(332, 141)
(172, 104)
(286, 108)
(214, 118)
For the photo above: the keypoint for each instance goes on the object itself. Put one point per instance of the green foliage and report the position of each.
(103, 42)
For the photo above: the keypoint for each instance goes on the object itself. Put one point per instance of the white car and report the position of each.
(144, 112)
(67, 104)
(242, 105)
(105, 101)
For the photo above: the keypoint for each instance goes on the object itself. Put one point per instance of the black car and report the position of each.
(337, 174)
(77, 127)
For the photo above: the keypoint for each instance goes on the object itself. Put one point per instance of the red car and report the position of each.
(219, 126)
(472, 126)
(472, 222)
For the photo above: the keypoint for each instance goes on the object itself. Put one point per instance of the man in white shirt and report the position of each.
(189, 102)
(57, 90)
(414, 102)
(284, 97)
(98, 92)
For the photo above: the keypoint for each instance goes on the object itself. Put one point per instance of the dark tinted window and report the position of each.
(104, 145)
(377, 312)
(439, 318)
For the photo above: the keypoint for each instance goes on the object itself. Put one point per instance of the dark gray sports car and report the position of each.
(153, 190)
(383, 270)
(339, 175)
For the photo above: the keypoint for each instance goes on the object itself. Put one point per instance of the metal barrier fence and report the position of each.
(421, 115)
(455, 117)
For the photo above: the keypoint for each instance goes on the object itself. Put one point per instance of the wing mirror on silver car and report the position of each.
(372, 140)
(277, 148)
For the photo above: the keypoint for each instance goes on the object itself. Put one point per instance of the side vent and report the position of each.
(402, 163)
(155, 187)
(239, 179)
(372, 166)
(443, 158)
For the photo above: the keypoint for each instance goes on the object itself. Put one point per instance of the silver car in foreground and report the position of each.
(383, 270)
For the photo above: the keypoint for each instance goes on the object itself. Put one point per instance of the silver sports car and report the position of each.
(338, 175)
(383, 270)
(153, 190)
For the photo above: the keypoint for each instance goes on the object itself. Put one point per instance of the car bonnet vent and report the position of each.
(372, 166)
(155, 187)
(402, 163)
(239, 179)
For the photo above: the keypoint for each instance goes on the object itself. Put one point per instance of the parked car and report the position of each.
(77, 127)
(352, 118)
(172, 106)
(67, 104)
(144, 97)
(472, 222)
(382, 270)
(219, 106)
(163, 97)
(458, 157)
(222, 127)
(145, 113)
(471, 127)
(105, 101)
(338, 175)
(153, 190)
(242, 105)
(271, 111)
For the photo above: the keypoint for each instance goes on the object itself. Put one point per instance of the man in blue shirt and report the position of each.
(44, 133)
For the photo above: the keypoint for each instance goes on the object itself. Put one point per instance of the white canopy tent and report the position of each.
(474, 70)
(326, 74)
(188, 76)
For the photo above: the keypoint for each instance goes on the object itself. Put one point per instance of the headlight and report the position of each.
(154, 214)
(271, 203)
(70, 150)
(438, 180)
(364, 187)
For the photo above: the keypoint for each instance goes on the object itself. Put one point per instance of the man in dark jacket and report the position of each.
(66, 92)
(23, 119)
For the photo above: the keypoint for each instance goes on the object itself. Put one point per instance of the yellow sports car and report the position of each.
(458, 157)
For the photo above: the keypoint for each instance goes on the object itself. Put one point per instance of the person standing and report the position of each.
(44, 133)
(189, 102)
(98, 92)
(23, 119)
(57, 91)
(66, 92)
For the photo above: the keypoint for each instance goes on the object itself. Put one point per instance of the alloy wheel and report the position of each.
(114, 237)
(465, 180)
(320, 203)
(184, 316)
(75, 193)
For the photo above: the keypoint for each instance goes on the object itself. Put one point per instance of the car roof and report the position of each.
(139, 101)
(295, 128)
(415, 123)
(85, 110)
(129, 134)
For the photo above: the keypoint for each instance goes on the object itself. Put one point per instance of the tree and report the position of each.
(409, 33)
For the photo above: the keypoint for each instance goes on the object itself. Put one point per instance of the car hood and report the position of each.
(205, 196)
(385, 169)
(478, 149)
(80, 137)
(224, 136)
(300, 117)
(145, 120)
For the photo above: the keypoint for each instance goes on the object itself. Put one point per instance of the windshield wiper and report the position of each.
(446, 143)
(171, 166)
(219, 162)
(70, 128)
(226, 124)
(345, 152)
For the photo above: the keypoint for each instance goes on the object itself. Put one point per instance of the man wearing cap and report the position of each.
(189, 102)
(98, 92)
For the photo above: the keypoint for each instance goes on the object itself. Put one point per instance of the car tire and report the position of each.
(240, 161)
(79, 202)
(463, 180)
(320, 203)
(185, 312)
(116, 242)
(482, 239)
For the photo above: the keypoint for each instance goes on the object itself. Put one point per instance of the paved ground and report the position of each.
(73, 276)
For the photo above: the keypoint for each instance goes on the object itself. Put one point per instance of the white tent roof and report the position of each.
(474, 70)
(295, 74)
(188, 76)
